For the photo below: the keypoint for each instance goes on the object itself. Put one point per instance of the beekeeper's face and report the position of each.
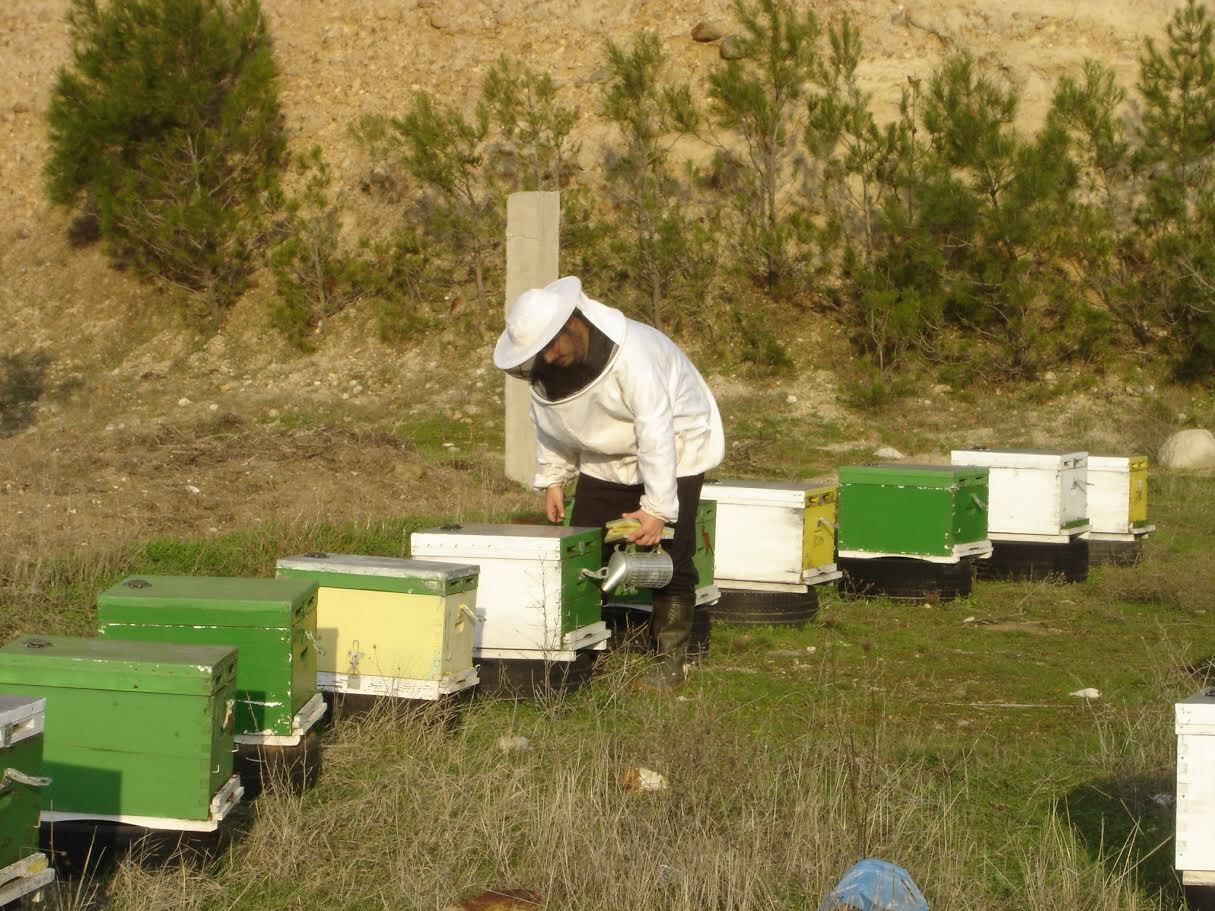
(569, 346)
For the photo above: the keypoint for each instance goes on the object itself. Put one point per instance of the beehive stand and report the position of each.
(539, 612)
(910, 531)
(272, 623)
(1038, 512)
(775, 544)
(390, 628)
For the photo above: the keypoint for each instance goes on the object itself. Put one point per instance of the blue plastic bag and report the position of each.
(875, 885)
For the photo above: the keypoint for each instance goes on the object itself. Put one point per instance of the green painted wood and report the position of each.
(916, 510)
(19, 803)
(255, 602)
(276, 670)
(580, 595)
(132, 728)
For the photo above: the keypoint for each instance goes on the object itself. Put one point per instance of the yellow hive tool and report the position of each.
(620, 529)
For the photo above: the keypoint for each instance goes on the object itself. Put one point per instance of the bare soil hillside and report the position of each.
(135, 396)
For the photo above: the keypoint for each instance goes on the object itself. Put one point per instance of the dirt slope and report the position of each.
(128, 375)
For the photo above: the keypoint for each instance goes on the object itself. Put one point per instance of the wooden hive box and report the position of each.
(936, 513)
(774, 534)
(136, 732)
(1118, 497)
(1195, 841)
(391, 627)
(533, 600)
(272, 622)
(1036, 495)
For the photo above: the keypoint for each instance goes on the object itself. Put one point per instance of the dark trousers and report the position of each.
(597, 502)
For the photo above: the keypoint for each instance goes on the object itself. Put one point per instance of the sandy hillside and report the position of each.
(127, 374)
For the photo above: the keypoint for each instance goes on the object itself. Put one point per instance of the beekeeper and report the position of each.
(619, 407)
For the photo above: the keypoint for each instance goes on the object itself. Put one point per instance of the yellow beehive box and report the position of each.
(388, 626)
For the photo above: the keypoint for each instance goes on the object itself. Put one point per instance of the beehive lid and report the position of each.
(912, 475)
(209, 600)
(503, 541)
(1017, 458)
(791, 494)
(1196, 715)
(114, 664)
(1116, 463)
(386, 574)
(16, 709)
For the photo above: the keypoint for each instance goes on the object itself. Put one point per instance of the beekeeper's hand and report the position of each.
(650, 531)
(554, 503)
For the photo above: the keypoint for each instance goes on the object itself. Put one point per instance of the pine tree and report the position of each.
(167, 125)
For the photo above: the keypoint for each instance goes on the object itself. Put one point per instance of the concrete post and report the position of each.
(533, 232)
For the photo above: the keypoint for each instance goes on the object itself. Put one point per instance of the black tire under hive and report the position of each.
(524, 678)
(906, 578)
(1115, 553)
(1036, 561)
(741, 607)
(291, 768)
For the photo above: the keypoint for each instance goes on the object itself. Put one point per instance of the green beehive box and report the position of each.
(271, 621)
(21, 723)
(136, 732)
(931, 512)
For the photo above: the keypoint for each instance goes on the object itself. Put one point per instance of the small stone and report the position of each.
(642, 779)
(1050, 376)
(273, 412)
(183, 402)
(191, 489)
(888, 452)
(732, 47)
(707, 31)
(941, 389)
(1088, 692)
(21, 108)
(790, 400)
(213, 407)
(440, 20)
(514, 744)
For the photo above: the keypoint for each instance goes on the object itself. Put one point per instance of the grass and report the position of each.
(940, 737)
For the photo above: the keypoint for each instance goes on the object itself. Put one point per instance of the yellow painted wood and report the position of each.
(818, 537)
(1139, 491)
(388, 634)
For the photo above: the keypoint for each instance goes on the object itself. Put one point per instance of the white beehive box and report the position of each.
(533, 601)
(773, 535)
(1033, 494)
(1117, 497)
(1195, 841)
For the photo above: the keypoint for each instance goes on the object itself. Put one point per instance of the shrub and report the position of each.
(167, 124)
(313, 278)
(22, 384)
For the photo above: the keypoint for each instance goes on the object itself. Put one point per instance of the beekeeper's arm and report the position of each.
(556, 466)
(645, 394)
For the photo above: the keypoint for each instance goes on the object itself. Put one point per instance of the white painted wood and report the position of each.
(519, 593)
(24, 878)
(397, 687)
(385, 567)
(225, 799)
(533, 239)
(1195, 839)
(979, 549)
(1032, 493)
(21, 717)
(760, 530)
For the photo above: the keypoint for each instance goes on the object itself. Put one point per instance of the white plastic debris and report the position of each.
(514, 744)
(969, 620)
(1165, 801)
(643, 779)
(1087, 693)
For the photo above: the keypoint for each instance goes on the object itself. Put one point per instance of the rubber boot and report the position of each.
(671, 624)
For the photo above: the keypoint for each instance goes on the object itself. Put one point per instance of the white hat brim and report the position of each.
(510, 352)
